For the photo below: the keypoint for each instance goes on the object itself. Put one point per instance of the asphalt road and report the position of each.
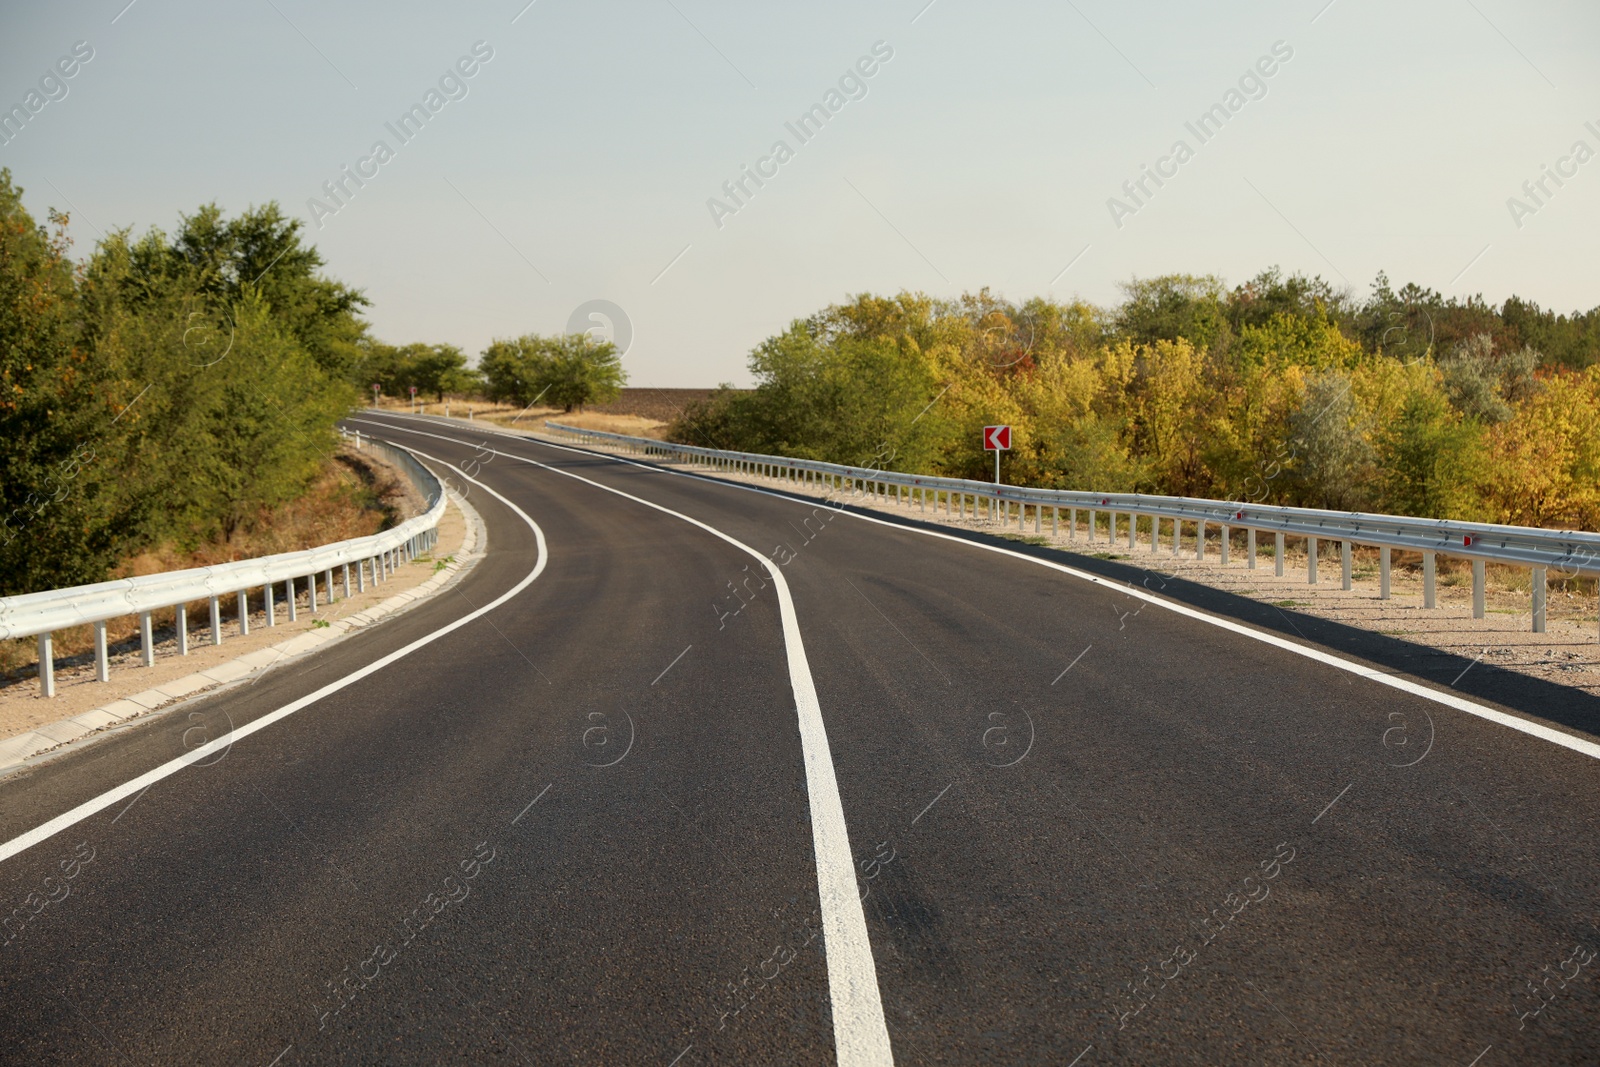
(595, 824)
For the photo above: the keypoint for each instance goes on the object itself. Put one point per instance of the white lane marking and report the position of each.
(89, 807)
(860, 1034)
(1372, 674)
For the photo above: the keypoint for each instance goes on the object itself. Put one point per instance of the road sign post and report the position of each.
(997, 439)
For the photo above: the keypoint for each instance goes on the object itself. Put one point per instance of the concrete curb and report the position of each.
(16, 752)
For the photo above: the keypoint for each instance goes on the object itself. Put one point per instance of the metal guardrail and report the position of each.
(1570, 552)
(41, 614)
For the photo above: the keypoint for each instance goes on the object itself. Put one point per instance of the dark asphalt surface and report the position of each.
(1186, 847)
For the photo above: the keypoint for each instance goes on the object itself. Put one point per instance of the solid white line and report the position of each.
(1372, 674)
(860, 1034)
(71, 818)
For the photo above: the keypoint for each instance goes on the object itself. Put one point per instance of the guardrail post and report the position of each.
(347, 581)
(1344, 565)
(216, 621)
(1055, 523)
(269, 602)
(1538, 600)
(1155, 534)
(1022, 516)
(1429, 597)
(1250, 547)
(1133, 530)
(47, 665)
(1383, 573)
(1200, 539)
(311, 592)
(1227, 535)
(329, 576)
(181, 621)
(102, 659)
(1277, 554)
(294, 606)
(1177, 535)
(1089, 530)
(1072, 524)
(244, 614)
(1311, 561)
(1477, 589)
(147, 644)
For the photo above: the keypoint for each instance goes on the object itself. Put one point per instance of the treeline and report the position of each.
(175, 388)
(1281, 390)
(167, 388)
(565, 371)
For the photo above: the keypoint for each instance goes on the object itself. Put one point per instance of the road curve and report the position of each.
(590, 823)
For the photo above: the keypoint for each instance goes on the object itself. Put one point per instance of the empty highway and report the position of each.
(686, 772)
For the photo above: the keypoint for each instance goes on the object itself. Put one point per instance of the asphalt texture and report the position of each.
(1087, 829)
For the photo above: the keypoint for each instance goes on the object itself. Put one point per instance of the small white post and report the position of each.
(1344, 565)
(181, 621)
(147, 644)
(294, 607)
(1227, 535)
(1383, 572)
(244, 614)
(311, 592)
(1429, 597)
(47, 666)
(1277, 554)
(329, 577)
(1200, 539)
(1538, 600)
(1133, 530)
(102, 659)
(1250, 547)
(347, 581)
(268, 602)
(216, 621)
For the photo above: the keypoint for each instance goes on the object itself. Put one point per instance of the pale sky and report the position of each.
(579, 163)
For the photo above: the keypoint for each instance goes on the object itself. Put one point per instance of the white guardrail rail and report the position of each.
(41, 614)
(1569, 552)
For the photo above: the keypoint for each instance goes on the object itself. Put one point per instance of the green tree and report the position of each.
(56, 412)
(1433, 460)
(567, 371)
